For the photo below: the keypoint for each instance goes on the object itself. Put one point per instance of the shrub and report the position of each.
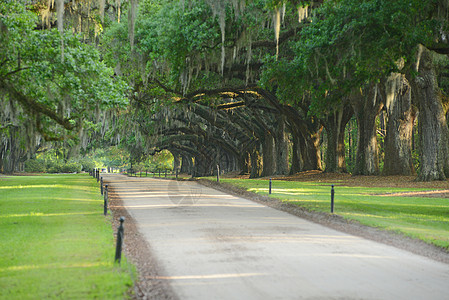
(54, 166)
(35, 166)
(71, 167)
(87, 164)
(58, 166)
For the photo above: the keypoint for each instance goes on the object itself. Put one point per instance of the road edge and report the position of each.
(139, 252)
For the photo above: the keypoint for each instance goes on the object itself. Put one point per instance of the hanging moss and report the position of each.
(132, 12)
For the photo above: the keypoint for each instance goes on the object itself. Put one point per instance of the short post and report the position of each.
(218, 173)
(101, 185)
(98, 175)
(120, 238)
(146, 173)
(269, 187)
(176, 174)
(154, 174)
(159, 173)
(140, 173)
(93, 172)
(332, 199)
(105, 199)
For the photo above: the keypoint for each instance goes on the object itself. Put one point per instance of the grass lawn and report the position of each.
(419, 217)
(56, 243)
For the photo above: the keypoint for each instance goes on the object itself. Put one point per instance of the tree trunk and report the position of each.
(281, 148)
(366, 108)
(296, 155)
(256, 164)
(306, 142)
(9, 162)
(400, 119)
(186, 164)
(176, 160)
(245, 163)
(335, 125)
(268, 155)
(11, 152)
(205, 161)
(310, 152)
(432, 123)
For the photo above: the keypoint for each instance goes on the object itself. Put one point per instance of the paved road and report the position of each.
(215, 246)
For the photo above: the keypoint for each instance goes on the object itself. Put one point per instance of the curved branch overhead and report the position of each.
(263, 85)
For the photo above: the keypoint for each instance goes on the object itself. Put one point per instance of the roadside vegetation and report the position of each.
(56, 243)
(425, 218)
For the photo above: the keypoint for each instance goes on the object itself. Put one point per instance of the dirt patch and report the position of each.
(139, 253)
(427, 194)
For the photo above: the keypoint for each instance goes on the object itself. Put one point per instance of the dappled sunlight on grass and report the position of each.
(367, 216)
(55, 266)
(39, 214)
(39, 186)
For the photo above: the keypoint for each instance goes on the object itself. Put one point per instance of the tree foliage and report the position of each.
(250, 85)
(51, 83)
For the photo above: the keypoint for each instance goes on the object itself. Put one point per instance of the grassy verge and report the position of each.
(55, 241)
(418, 217)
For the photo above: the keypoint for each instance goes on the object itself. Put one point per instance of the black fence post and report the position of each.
(218, 173)
(98, 175)
(105, 199)
(93, 172)
(176, 174)
(332, 198)
(269, 187)
(101, 185)
(120, 238)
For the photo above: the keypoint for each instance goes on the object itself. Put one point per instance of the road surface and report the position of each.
(211, 245)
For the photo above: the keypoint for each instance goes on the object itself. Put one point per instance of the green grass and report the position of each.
(423, 218)
(55, 241)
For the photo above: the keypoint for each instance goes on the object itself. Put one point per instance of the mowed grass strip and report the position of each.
(419, 217)
(55, 241)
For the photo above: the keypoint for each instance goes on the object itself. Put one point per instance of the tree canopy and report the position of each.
(261, 87)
